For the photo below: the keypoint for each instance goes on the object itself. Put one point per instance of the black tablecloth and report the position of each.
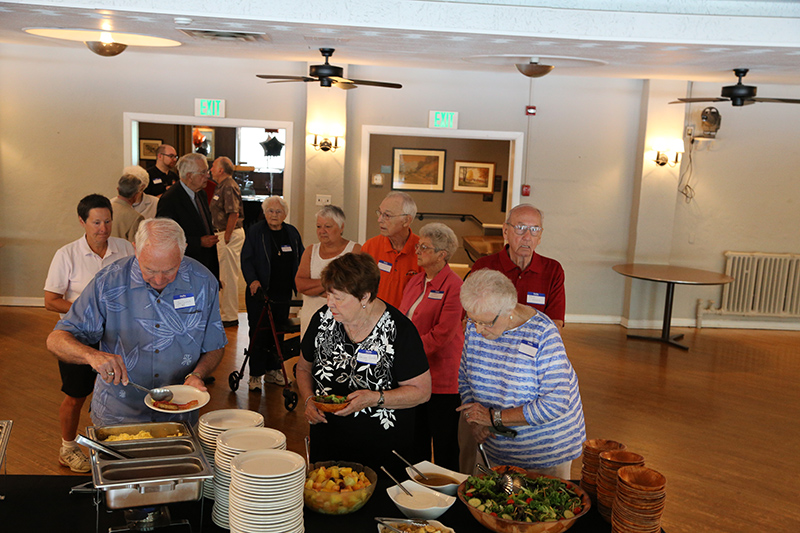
(43, 504)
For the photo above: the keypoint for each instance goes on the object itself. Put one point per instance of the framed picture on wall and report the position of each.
(470, 176)
(203, 140)
(148, 147)
(418, 170)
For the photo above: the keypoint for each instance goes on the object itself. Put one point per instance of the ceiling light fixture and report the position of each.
(103, 42)
(534, 69)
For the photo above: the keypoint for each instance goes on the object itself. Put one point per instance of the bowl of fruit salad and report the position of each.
(338, 487)
(330, 403)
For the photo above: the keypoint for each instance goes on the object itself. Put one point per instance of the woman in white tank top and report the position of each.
(330, 225)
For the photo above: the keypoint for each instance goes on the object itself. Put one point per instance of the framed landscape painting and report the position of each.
(470, 176)
(418, 170)
(148, 147)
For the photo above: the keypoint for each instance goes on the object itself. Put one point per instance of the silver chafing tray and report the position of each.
(164, 469)
(5, 433)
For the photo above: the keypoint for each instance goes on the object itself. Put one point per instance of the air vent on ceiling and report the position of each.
(226, 36)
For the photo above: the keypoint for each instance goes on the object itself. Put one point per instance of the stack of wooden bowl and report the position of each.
(639, 501)
(591, 462)
(610, 462)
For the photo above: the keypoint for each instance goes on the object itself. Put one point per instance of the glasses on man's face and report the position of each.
(484, 325)
(171, 156)
(202, 173)
(275, 212)
(423, 248)
(520, 229)
(387, 216)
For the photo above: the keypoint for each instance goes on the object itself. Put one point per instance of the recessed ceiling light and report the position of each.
(129, 39)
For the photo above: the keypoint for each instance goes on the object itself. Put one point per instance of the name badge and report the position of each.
(536, 298)
(528, 348)
(385, 266)
(157, 180)
(216, 197)
(369, 357)
(286, 248)
(436, 295)
(181, 301)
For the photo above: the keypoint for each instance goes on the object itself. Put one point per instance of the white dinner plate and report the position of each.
(268, 463)
(223, 419)
(181, 394)
(252, 438)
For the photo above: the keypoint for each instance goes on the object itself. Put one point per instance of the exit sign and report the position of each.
(443, 119)
(204, 107)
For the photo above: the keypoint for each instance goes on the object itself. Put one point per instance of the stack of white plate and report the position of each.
(215, 422)
(266, 493)
(230, 444)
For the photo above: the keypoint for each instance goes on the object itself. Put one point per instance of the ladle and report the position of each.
(397, 482)
(414, 468)
(158, 395)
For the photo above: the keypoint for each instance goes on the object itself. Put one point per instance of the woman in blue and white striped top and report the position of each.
(515, 375)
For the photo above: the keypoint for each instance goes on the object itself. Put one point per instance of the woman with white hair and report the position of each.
(330, 225)
(431, 301)
(270, 256)
(518, 389)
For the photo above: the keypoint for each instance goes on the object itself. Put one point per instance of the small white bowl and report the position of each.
(426, 503)
(435, 523)
(426, 467)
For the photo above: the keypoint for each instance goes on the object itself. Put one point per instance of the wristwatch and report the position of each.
(380, 400)
(196, 374)
(497, 419)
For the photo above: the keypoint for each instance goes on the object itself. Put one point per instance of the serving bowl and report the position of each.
(329, 407)
(437, 482)
(425, 503)
(502, 525)
(345, 502)
(433, 523)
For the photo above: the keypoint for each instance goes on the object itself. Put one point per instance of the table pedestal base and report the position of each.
(670, 339)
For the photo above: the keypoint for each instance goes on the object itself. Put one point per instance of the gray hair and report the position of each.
(139, 172)
(226, 164)
(161, 233)
(520, 207)
(190, 163)
(278, 199)
(442, 238)
(488, 291)
(409, 205)
(129, 186)
(333, 212)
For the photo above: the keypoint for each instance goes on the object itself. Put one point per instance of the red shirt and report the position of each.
(540, 285)
(397, 268)
(438, 321)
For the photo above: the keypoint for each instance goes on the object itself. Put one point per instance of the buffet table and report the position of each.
(44, 503)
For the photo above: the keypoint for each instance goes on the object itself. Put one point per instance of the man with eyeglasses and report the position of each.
(187, 204)
(162, 174)
(539, 280)
(394, 249)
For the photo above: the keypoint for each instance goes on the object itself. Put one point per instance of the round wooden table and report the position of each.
(671, 275)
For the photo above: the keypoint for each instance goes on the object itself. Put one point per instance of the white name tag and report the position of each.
(528, 348)
(436, 295)
(182, 301)
(286, 248)
(536, 298)
(216, 197)
(385, 266)
(157, 180)
(369, 357)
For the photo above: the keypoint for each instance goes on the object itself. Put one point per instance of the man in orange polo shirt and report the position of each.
(393, 249)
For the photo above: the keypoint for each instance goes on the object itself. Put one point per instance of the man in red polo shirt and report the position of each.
(393, 249)
(539, 280)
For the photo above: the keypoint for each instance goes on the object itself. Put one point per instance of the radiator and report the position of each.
(764, 284)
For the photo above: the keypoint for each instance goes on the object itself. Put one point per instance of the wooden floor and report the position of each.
(719, 421)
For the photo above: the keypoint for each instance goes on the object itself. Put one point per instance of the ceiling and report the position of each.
(697, 40)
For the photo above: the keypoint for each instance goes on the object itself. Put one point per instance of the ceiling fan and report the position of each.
(739, 94)
(328, 76)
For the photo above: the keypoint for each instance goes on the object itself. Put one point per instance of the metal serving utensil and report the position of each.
(414, 468)
(96, 446)
(396, 482)
(384, 521)
(158, 394)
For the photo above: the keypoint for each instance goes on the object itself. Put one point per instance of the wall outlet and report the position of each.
(689, 131)
(323, 200)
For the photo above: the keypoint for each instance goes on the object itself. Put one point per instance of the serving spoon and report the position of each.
(158, 394)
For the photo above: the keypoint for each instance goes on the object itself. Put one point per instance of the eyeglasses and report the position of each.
(484, 325)
(388, 216)
(424, 247)
(520, 229)
(202, 173)
(275, 211)
(171, 156)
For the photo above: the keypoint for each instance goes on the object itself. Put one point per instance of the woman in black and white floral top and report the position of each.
(362, 348)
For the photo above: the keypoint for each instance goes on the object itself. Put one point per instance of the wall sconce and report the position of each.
(667, 151)
(663, 158)
(325, 144)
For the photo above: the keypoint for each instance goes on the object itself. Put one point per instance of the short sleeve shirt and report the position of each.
(160, 336)
(227, 199)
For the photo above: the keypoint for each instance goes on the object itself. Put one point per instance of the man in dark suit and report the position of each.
(186, 203)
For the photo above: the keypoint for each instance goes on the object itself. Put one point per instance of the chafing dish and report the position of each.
(164, 469)
(5, 433)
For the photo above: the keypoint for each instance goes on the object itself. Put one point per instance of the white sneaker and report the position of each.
(255, 383)
(274, 376)
(74, 458)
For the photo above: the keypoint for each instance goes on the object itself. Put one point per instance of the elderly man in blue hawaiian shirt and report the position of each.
(156, 317)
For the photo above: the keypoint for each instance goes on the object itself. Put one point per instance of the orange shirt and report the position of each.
(397, 268)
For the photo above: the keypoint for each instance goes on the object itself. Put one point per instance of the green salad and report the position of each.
(541, 499)
(331, 398)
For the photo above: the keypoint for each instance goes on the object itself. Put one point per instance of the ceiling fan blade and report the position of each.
(777, 100)
(346, 85)
(285, 78)
(292, 81)
(692, 100)
(386, 84)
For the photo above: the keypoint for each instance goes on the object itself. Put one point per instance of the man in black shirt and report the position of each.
(162, 175)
